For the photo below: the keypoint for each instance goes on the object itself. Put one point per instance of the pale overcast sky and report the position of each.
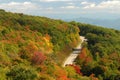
(65, 8)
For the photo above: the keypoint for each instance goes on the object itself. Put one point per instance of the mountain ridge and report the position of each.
(109, 23)
(34, 48)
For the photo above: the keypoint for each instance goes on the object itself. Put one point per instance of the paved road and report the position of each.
(71, 58)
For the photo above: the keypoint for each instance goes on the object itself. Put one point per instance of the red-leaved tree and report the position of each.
(77, 69)
(38, 58)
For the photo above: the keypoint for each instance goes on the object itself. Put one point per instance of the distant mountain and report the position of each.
(34, 48)
(115, 23)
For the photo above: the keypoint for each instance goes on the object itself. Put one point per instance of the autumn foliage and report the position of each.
(77, 69)
(92, 76)
(60, 73)
(38, 58)
(84, 57)
(33, 48)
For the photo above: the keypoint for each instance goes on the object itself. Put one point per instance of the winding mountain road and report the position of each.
(71, 58)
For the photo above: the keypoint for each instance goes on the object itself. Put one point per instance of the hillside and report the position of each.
(101, 54)
(34, 48)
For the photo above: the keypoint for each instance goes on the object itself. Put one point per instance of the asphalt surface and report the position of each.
(71, 58)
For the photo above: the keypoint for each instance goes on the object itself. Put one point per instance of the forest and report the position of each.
(34, 48)
(101, 53)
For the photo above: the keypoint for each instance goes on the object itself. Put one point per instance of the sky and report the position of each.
(65, 9)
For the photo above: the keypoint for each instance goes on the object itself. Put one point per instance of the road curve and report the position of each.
(71, 58)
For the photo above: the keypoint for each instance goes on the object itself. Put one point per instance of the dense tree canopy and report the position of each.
(33, 48)
(35, 42)
(104, 46)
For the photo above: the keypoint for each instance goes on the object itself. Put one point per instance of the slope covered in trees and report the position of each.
(31, 47)
(101, 54)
